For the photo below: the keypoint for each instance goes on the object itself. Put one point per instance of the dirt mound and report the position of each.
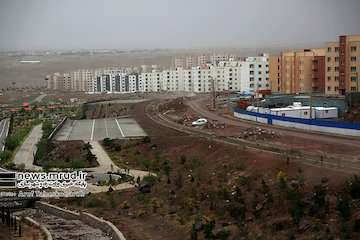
(259, 133)
(175, 105)
(354, 115)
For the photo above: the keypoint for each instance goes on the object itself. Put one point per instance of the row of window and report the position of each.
(352, 69)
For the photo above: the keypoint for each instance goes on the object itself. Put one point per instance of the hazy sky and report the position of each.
(124, 24)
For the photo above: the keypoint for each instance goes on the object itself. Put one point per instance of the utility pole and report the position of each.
(310, 103)
(213, 92)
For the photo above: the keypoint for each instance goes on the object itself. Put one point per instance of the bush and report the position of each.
(146, 139)
(108, 142)
(5, 156)
(92, 202)
(12, 142)
(353, 187)
(343, 205)
(149, 180)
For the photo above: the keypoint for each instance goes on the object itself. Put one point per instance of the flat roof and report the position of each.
(293, 108)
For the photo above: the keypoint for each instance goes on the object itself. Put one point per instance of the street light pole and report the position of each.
(213, 92)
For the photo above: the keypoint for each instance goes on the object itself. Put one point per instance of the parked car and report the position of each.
(200, 122)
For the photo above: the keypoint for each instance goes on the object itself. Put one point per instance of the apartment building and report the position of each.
(216, 58)
(343, 65)
(299, 71)
(151, 81)
(189, 62)
(179, 63)
(249, 75)
(59, 81)
(202, 60)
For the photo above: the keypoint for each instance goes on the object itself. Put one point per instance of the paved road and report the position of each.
(98, 129)
(40, 98)
(4, 128)
(25, 155)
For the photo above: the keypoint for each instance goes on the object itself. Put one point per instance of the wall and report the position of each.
(326, 126)
(44, 231)
(57, 128)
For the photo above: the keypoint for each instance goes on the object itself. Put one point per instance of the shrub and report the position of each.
(149, 180)
(353, 187)
(343, 205)
(223, 234)
(146, 139)
(5, 156)
(108, 142)
(92, 202)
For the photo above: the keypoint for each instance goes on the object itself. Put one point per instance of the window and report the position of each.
(329, 69)
(353, 49)
(336, 69)
(353, 59)
(329, 49)
(251, 79)
(337, 78)
(260, 72)
(329, 88)
(251, 65)
(329, 59)
(329, 78)
(251, 72)
(260, 79)
(259, 85)
(260, 66)
(336, 49)
(353, 89)
(251, 85)
(353, 69)
(305, 113)
(337, 59)
(354, 79)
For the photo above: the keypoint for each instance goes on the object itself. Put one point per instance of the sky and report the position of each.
(134, 24)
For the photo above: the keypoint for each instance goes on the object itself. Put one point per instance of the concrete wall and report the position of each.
(86, 218)
(57, 128)
(44, 231)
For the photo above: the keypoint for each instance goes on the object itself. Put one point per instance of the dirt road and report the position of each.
(198, 106)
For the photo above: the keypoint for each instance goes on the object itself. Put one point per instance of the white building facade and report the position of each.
(250, 75)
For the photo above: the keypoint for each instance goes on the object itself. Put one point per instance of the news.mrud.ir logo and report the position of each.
(43, 180)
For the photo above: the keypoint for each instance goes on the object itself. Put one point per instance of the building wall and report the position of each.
(275, 73)
(349, 63)
(300, 71)
(332, 68)
(249, 75)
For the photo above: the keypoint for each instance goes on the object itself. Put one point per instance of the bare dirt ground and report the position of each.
(34, 74)
(336, 149)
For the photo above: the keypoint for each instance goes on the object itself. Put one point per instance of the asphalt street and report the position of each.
(98, 129)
